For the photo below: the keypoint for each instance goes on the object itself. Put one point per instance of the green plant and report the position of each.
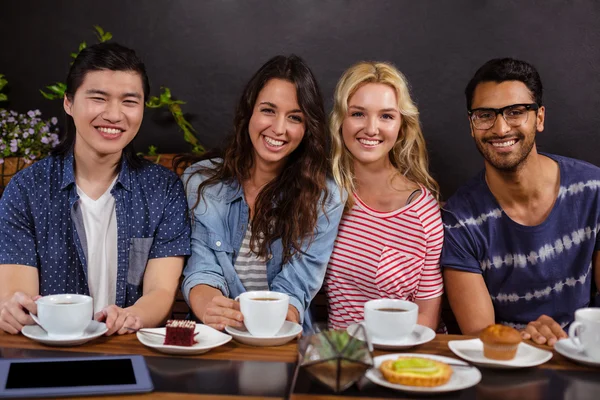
(335, 358)
(174, 106)
(100, 34)
(335, 342)
(152, 152)
(3, 83)
(57, 90)
(164, 100)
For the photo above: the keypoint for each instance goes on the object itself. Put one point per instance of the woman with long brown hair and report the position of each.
(264, 213)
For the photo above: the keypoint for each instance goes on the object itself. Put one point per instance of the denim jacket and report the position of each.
(219, 223)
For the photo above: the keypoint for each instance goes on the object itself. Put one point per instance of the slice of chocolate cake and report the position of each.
(180, 332)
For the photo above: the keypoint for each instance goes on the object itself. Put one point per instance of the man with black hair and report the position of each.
(521, 238)
(93, 218)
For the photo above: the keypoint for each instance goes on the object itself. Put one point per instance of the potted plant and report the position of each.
(24, 138)
(3, 83)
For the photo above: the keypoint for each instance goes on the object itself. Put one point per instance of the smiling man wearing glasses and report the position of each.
(521, 238)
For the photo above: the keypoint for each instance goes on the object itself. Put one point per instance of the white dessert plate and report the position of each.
(420, 335)
(566, 348)
(288, 332)
(461, 378)
(472, 351)
(94, 329)
(207, 338)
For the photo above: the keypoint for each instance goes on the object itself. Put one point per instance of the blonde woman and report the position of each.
(391, 235)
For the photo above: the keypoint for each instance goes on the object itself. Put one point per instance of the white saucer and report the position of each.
(94, 329)
(566, 348)
(462, 378)
(288, 331)
(472, 351)
(207, 338)
(421, 334)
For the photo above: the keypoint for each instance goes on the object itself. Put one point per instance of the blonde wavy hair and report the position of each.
(409, 154)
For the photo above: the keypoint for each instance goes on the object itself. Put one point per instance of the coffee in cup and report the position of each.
(585, 331)
(264, 311)
(390, 319)
(64, 316)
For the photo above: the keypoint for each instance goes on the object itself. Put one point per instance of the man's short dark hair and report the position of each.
(506, 69)
(101, 57)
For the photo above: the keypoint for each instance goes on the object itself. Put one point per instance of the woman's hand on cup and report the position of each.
(294, 316)
(118, 320)
(14, 312)
(222, 311)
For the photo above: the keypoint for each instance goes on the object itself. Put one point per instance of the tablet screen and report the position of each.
(70, 374)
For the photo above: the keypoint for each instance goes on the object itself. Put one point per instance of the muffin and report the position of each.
(500, 342)
(416, 371)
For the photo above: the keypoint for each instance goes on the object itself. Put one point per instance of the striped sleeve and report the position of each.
(431, 284)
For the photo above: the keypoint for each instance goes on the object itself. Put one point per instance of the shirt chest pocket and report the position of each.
(398, 274)
(216, 243)
(139, 250)
(223, 251)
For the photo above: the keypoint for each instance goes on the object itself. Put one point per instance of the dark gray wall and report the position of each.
(206, 50)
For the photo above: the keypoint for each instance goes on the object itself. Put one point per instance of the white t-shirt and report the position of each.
(100, 222)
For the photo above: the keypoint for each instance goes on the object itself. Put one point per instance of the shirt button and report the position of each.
(218, 243)
(270, 256)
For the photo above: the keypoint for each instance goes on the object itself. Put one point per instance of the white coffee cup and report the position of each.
(264, 311)
(384, 323)
(64, 316)
(585, 331)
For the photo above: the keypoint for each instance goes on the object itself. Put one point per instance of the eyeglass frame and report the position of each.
(497, 111)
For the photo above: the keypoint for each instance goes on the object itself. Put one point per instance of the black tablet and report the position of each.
(73, 376)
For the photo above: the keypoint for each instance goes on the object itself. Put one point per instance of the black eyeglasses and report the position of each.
(514, 115)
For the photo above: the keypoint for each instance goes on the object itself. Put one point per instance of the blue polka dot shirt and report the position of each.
(41, 225)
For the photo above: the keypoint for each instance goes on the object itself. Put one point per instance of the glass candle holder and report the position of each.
(335, 358)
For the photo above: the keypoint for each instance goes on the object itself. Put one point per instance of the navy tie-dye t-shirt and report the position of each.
(529, 270)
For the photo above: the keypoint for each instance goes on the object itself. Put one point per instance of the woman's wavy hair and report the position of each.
(287, 207)
(409, 154)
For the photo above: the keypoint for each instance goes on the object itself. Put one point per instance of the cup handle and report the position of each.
(574, 334)
(35, 319)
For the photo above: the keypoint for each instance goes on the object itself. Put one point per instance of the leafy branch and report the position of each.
(57, 90)
(3, 83)
(152, 152)
(100, 34)
(82, 46)
(174, 106)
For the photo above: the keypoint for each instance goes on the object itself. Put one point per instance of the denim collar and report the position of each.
(69, 172)
(234, 192)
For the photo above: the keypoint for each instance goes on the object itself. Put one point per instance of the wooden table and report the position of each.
(249, 365)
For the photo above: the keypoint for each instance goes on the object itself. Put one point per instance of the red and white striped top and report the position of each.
(377, 255)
